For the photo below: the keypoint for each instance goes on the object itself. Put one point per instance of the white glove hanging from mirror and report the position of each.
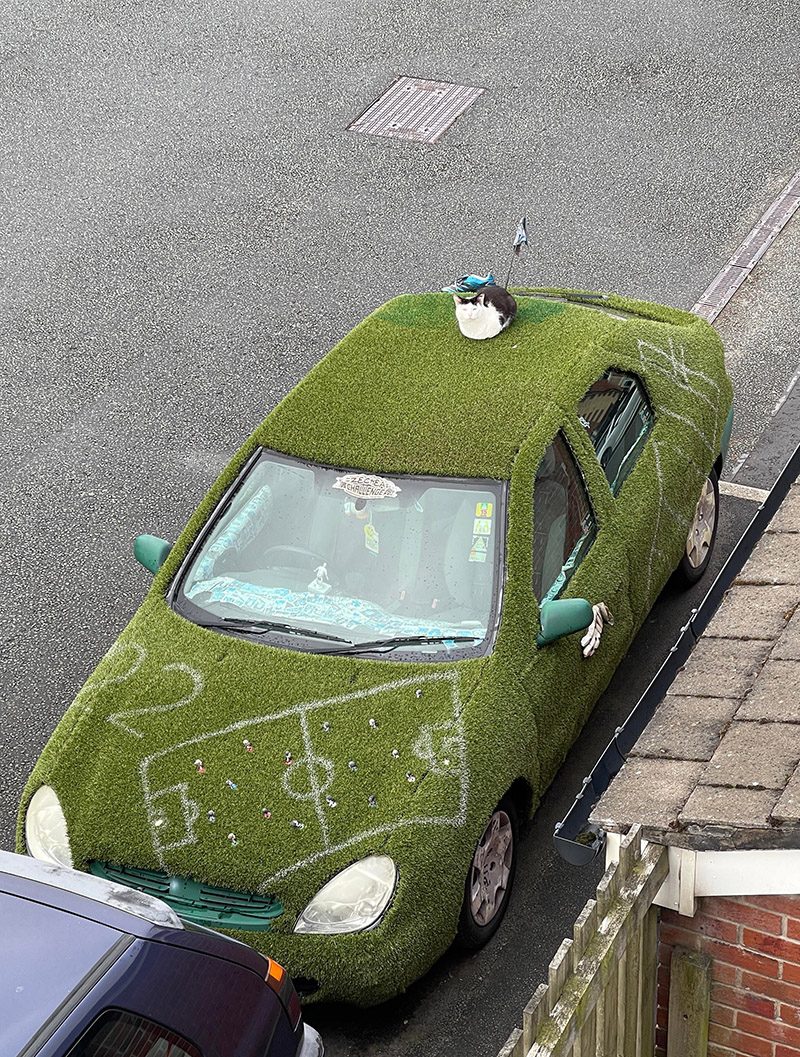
(591, 640)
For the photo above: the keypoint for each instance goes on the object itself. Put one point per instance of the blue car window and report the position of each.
(117, 1033)
(617, 415)
(564, 525)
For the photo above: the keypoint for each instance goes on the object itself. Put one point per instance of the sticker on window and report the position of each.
(367, 486)
(371, 538)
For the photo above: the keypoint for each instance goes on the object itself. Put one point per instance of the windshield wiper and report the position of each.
(408, 640)
(261, 627)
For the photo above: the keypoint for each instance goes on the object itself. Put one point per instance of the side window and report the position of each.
(117, 1033)
(564, 526)
(618, 418)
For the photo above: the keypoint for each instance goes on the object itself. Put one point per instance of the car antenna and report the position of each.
(520, 240)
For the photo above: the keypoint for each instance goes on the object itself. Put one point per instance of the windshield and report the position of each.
(349, 557)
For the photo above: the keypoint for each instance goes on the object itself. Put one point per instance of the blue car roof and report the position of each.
(82, 893)
(47, 953)
(93, 903)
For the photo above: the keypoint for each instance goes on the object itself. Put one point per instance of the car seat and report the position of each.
(550, 500)
(241, 531)
(422, 579)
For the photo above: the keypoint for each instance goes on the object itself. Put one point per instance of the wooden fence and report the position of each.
(600, 996)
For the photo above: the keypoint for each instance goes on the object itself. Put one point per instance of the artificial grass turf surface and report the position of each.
(403, 393)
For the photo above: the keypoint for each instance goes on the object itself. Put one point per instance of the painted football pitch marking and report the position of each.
(320, 769)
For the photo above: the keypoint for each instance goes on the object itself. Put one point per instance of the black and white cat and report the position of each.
(487, 314)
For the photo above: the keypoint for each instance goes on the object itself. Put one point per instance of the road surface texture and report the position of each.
(188, 227)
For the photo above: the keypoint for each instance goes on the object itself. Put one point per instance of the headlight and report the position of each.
(46, 828)
(352, 900)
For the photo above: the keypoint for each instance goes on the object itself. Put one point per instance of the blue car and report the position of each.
(94, 969)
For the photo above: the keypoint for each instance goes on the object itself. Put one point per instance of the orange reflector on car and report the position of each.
(275, 976)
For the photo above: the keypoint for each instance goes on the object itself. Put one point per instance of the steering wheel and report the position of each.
(294, 557)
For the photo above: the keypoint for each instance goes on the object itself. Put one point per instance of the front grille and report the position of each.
(199, 903)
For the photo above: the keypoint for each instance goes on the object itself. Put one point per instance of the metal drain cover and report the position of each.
(417, 110)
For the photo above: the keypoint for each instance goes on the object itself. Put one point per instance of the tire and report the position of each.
(702, 534)
(485, 903)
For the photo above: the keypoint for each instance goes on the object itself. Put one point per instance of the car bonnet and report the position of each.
(235, 763)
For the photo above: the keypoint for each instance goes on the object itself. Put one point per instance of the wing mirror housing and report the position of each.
(563, 616)
(151, 552)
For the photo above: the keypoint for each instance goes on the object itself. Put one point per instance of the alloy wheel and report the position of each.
(491, 869)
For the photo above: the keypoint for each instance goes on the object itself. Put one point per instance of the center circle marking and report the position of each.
(316, 769)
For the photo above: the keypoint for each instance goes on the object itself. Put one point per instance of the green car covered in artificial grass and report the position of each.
(361, 662)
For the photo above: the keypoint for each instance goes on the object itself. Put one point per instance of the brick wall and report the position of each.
(754, 943)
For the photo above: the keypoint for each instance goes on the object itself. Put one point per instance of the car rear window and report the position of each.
(616, 414)
(118, 1033)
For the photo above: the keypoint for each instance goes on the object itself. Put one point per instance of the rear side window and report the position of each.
(564, 526)
(117, 1033)
(616, 414)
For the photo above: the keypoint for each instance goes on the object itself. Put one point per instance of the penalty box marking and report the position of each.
(301, 711)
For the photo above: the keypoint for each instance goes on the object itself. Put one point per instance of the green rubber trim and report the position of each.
(199, 903)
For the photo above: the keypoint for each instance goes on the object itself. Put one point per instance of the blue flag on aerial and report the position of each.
(520, 240)
(521, 237)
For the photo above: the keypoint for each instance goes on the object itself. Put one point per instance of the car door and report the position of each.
(576, 553)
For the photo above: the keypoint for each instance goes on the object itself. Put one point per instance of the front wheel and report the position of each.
(490, 877)
(702, 534)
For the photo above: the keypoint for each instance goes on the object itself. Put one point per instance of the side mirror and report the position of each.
(151, 552)
(561, 617)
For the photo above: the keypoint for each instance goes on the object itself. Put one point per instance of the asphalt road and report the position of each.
(760, 330)
(188, 227)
